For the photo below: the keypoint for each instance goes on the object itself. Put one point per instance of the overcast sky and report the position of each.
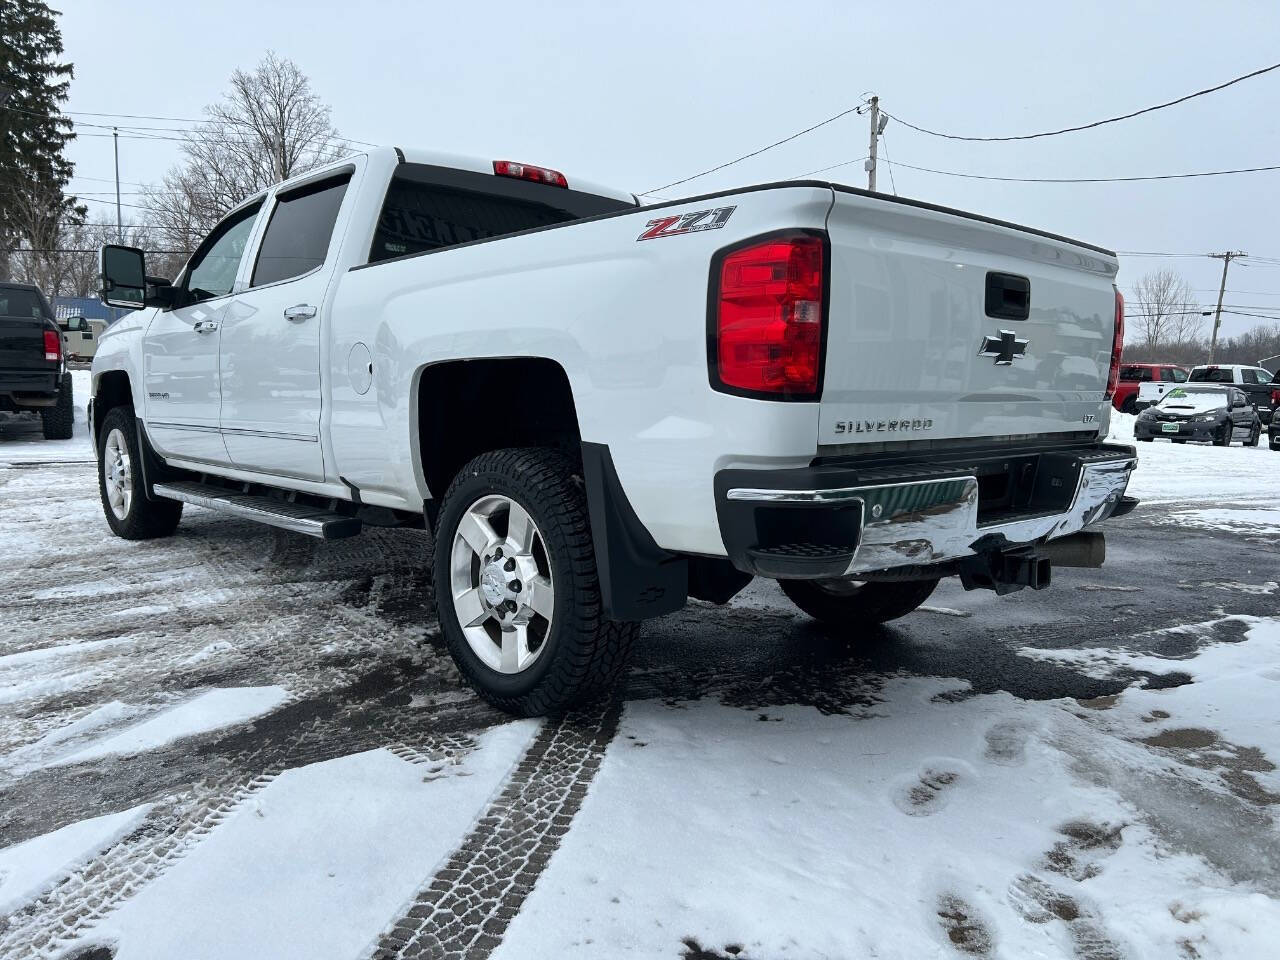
(641, 95)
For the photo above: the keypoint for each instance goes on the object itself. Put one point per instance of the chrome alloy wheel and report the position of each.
(117, 472)
(501, 581)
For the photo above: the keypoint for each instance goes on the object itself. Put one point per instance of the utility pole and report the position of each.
(871, 149)
(115, 140)
(1217, 313)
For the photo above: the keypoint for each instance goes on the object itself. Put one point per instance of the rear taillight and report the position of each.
(1117, 347)
(1275, 398)
(523, 171)
(768, 307)
(52, 346)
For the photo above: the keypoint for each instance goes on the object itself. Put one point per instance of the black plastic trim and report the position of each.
(713, 289)
(399, 154)
(638, 579)
(997, 304)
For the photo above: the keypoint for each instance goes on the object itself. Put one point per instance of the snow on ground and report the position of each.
(28, 869)
(993, 825)
(21, 442)
(315, 864)
(211, 710)
(1169, 471)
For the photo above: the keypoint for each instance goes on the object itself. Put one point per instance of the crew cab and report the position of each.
(1144, 384)
(1256, 382)
(33, 366)
(601, 409)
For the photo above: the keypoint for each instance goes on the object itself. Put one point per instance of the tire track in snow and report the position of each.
(464, 910)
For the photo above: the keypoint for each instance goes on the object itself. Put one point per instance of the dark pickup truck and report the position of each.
(33, 368)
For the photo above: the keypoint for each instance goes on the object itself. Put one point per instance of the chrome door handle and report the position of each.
(299, 312)
(205, 326)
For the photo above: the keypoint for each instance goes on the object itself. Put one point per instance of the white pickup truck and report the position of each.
(601, 409)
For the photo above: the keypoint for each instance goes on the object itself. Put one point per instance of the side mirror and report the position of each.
(124, 276)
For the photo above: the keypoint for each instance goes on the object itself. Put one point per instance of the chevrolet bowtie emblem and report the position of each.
(1004, 347)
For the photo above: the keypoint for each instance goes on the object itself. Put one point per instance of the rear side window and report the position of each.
(1211, 375)
(1135, 374)
(1177, 375)
(427, 208)
(1248, 376)
(301, 227)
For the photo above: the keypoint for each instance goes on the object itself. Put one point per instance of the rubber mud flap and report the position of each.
(638, 579)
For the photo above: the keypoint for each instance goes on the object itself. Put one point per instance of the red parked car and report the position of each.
(1133, 374)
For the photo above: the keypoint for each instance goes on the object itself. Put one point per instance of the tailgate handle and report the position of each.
(1008, 296)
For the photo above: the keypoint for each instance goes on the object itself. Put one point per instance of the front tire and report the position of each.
(517, 590)
(58, 421)
(1223, 436)
(852, 602)
(129, 512)
(1255, 436)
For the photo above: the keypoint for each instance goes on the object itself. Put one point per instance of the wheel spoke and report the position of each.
(471, 611)
(541, 597)
(477, 531)
(515, 648)
(520, 529)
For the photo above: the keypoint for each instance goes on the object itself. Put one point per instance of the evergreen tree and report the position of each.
(33, 131)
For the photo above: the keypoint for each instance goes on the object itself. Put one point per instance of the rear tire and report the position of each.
(1130, 405)
(57, 422)
(851, 602)
(512, 545)
(1176, 440)
(124, 498)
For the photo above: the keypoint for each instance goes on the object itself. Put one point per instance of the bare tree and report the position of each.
(269, 126)
(1164, 310)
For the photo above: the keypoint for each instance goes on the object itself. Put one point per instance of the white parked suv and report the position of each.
(601, 409)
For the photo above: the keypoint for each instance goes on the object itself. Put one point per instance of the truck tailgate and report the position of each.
(943, 326)
(22, 345)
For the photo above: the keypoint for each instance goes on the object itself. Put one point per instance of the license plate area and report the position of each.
(1169, 427)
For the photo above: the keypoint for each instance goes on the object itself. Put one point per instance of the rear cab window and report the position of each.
(428, 208)
(28, 304)
(1212, 375)
(1134, 374)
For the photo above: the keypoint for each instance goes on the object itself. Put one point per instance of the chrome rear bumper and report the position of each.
(916, 520)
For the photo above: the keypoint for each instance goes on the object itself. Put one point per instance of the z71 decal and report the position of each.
(680, 223)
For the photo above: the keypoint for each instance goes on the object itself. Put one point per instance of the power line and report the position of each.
(756, 153)
(1161, 176)
(1096, 123)
(801, 176)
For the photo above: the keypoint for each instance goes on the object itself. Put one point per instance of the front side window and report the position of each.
(1264, 376)
(1135, 374)
(212, 271)
(297, 238)
(428, 207)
